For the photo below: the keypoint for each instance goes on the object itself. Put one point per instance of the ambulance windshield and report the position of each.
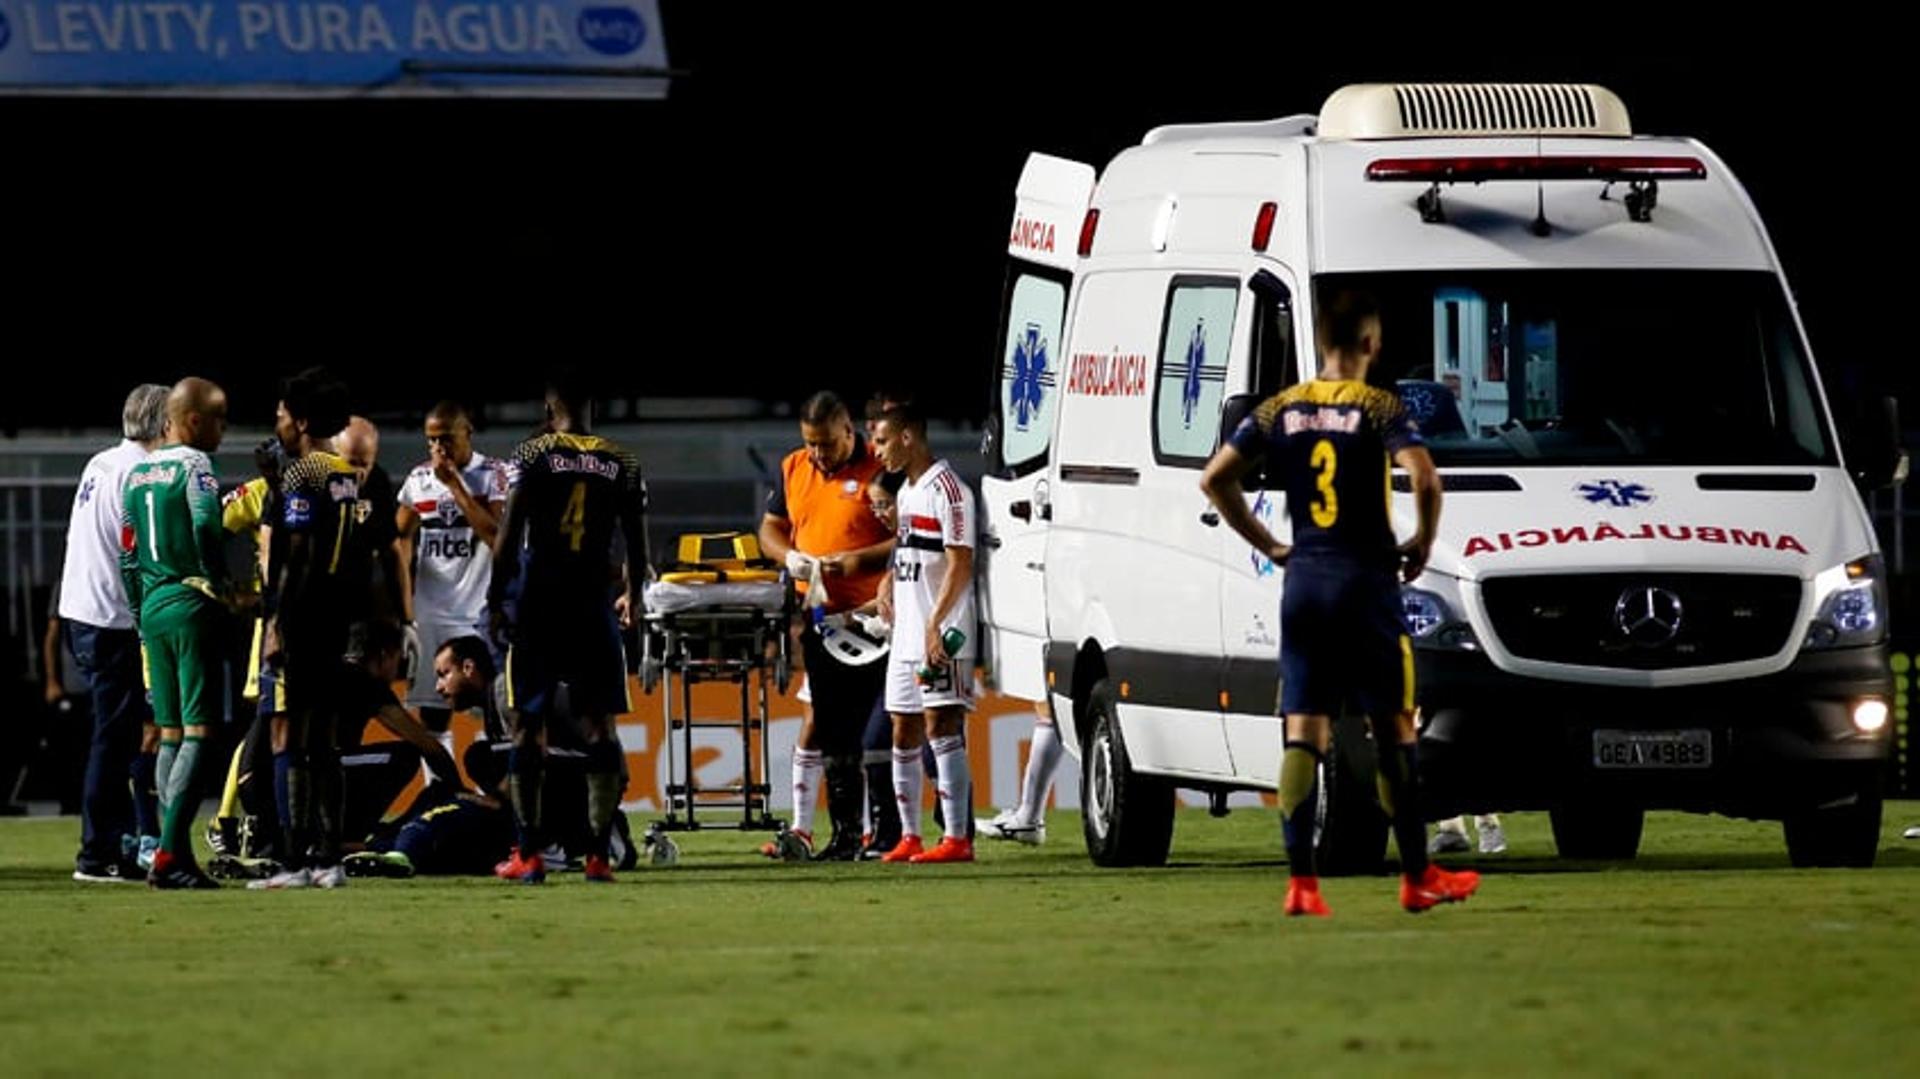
(1571, 367)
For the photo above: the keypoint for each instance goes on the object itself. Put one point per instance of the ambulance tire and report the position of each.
(1836, 836)
(1127, 817)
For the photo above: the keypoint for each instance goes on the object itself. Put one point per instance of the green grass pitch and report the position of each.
(1707, 955)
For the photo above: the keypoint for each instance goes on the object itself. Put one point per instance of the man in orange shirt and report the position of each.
(818, 514)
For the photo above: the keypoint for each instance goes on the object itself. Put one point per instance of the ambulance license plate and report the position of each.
(1653, 749)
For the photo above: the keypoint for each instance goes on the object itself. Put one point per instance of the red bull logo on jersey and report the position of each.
(1607, 533)
(342, 488)
(154, 474)
(1339, 420)
(566, 462)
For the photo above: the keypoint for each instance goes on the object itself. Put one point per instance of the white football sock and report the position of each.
(956, 784)
(908, 782)
(1042, 758)
(808, 766)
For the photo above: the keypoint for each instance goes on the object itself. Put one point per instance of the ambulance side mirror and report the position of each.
(1236, 409)
(1878, 460)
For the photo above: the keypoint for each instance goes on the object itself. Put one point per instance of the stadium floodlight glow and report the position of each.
(1870, 716)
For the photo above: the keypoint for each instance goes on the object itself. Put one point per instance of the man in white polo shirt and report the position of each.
(99, 627)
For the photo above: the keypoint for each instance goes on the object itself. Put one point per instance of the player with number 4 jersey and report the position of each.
(552, 596)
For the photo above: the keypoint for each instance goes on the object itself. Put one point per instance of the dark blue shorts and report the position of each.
(272, 700)
(580, 647)
(1342, 640)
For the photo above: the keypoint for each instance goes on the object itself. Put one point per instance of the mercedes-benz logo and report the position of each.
(1647, 616)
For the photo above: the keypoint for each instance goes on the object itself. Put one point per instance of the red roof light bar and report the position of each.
(1474, 170)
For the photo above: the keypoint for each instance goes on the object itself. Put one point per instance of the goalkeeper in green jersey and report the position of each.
(175, 570)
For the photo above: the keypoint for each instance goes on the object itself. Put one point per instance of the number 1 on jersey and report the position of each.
(573, 519)
(153, 532)
(1326, 508)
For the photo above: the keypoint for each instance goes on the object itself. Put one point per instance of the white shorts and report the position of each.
(420, 691)
(907, 697)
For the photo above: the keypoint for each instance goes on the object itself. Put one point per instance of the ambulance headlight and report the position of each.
(1855, 612)
(1431, 622)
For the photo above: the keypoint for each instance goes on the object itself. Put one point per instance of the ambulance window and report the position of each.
(1028, 386)
(1191, 380)
(1275, 360)
(1802, 413)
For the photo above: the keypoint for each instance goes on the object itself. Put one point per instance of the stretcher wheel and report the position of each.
(661, 851)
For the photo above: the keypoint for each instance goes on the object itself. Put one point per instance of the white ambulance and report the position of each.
(1656, 583)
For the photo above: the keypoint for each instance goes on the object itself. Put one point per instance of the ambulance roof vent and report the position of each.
(1425, 110)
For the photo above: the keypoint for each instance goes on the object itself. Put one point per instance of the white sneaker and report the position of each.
(997, 827)
(1448, 841)
(149, 846)
(286, 878)
(331, 877)
(1009, 826)
(1913, 832)
(1493, 838)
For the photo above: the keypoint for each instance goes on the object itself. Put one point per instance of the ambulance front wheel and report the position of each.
(1845, 834)
(1127, 817)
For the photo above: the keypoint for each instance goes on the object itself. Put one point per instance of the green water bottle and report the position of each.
(951, 640)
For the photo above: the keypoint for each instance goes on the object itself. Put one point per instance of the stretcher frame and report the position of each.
(747, 646)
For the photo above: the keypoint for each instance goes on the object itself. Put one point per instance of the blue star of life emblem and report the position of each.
(1030, 377)
(1615, 493)
(1196, 359)
(1262, 509)
(86, 491)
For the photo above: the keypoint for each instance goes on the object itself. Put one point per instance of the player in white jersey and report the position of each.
(930, 671)
(448, 518)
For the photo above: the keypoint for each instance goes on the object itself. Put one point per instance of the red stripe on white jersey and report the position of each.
(927, 524)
